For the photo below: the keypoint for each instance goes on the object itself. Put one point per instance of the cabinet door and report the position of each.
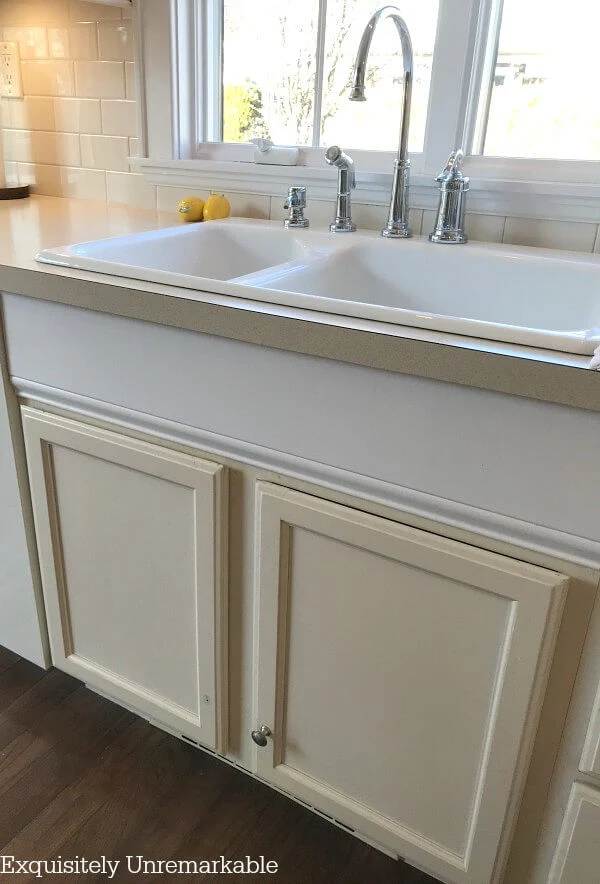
(131, 539)
(400, 676)
(590, 757)
(577, 857)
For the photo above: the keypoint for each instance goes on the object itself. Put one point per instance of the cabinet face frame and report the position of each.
(536, 595)
(208, 483)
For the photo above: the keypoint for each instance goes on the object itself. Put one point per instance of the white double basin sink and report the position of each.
(515, 295)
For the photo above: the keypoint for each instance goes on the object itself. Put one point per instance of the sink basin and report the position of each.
(500, 293)
(197, 251)
(515, 295)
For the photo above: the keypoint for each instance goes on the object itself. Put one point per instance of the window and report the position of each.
(509, 82)
(543, 98)
(286, 73)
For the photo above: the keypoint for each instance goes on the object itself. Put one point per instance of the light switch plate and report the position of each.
(11, 85)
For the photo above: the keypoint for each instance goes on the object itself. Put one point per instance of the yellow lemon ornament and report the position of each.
(216, 206)
(191, 209)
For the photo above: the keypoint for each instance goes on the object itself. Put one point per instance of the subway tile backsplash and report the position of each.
(100, 79)
(77, 123)
(75, 129)
(578, 236)
(81, 115)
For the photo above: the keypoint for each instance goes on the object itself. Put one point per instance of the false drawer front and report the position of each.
(577, 857)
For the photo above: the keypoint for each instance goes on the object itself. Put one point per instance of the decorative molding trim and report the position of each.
(546, 200)
(517, 533)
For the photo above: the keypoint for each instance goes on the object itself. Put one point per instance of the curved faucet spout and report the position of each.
(397, 225)
(360, 68)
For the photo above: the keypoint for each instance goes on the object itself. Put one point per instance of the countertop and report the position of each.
(27, 226)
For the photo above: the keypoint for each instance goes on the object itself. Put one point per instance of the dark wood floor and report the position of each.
(80, 776)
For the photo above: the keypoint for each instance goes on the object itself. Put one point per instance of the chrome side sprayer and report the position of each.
(343, 222)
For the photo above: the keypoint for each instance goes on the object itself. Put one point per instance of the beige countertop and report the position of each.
(27, 226)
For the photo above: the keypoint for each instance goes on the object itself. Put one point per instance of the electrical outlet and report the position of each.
(11, 85)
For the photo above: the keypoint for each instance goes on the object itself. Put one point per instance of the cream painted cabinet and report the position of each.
(400, 678)
(131, 539)
(590, 757)
(577, 858)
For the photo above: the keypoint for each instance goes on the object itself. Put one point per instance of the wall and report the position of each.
(73, 132)
(575, 235)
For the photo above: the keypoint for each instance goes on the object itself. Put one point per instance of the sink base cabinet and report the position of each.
(131, 539)
(399, 674)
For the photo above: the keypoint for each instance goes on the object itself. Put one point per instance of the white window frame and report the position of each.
(178, 110)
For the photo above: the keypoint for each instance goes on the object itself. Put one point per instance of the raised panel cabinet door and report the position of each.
(577, 857)
(400, 678)
(590, 757)
(131, 539)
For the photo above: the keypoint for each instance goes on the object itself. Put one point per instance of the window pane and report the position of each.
(269, 56)
(375, 124)
(544, 97)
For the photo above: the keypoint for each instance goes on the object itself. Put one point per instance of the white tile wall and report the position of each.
(44, 179)
(485, 228)
(105, 152)
(244, 205)
(73, 132)
(130, 83)
(82, 11)
(115, 41)
(33, 13)
(75, 129)
(119, 118)
(100, 79)
(551, 234)
(48, 77)
(77, 42)
(82, 115)
(82, 184)
(33, 42)
(30, 113)
(50, 148)
(130, 190)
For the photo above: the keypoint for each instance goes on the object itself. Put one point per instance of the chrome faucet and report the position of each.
(454, 186)
(335, 156)
(296, 204)
(397, 224)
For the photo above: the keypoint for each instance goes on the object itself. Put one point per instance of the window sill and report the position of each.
(546, 200)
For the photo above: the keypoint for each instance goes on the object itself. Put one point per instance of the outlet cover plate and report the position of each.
(11, 85)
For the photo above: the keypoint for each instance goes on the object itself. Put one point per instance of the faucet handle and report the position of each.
(296, 203)
(296, 198)
(454, 186)
(452, 171)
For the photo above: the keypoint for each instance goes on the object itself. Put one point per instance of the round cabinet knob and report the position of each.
(260, 736)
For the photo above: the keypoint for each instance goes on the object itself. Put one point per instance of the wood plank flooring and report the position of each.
(79, 776)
